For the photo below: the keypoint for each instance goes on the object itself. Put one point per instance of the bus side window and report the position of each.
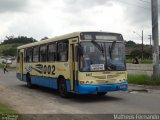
(18, 56)
(62, 54)
(29, 55)
(43, 53)
(52, 52)
(36, 54)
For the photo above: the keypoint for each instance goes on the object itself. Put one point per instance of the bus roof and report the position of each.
(61, 37)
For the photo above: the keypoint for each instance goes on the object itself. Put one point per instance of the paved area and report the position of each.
(46, 101)
(140, 69)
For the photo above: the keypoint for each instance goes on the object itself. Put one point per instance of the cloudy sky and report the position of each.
(40, 18)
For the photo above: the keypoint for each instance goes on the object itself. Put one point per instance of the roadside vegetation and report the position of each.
(1, 65)
(142, 79)
(145, 61)
(8, 67)
(9, 45)
(5, 109)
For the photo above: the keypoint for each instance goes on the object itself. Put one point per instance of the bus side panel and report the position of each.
(18, 76)
(45, 81)
(46, 74)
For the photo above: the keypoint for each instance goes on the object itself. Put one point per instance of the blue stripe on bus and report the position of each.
(44, 81)
(18, 76)
(86, 89)
(79, 88)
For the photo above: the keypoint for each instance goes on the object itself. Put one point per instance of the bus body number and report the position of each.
(49, 69)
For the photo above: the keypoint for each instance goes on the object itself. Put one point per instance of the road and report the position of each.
(46, 101)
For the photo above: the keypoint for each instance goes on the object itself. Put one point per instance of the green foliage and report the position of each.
(8, 49)
(145, 61)
(4, 109)
(19, 39)
(136, 53)
(142, 80)
(1, 65)
(135, 50)
(10, 52)
(10, 44)
(130, 44)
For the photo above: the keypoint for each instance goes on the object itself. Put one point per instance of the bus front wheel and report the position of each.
(101, 93)
(62, 88)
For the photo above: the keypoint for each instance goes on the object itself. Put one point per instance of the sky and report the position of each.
(49, 18)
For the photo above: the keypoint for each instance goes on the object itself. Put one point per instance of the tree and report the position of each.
(44, 38)
(14, 42)
(130, 43)
(136, 53)
(19, 39)
(10, 52)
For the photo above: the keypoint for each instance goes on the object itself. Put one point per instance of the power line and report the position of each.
(145, 1)
(148, 2)
(150, 38)
(143, 7)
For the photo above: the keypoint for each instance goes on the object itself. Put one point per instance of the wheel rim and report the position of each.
(62, 88)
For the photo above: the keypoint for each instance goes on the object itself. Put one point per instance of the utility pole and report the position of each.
(154, 6)
(142, 44)
(150, 39)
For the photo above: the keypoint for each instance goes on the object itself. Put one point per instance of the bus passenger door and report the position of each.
(73, 62)
(21, 64)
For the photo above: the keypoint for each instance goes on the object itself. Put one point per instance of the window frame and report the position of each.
(67, 41)
(35, 47)
(55, 59)
(27, 61)
(45, 52)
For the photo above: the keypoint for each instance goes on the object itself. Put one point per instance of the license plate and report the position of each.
(122, 86)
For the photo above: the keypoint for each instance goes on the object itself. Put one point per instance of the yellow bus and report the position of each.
(79, 62)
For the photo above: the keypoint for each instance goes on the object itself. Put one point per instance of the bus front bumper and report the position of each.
(86, 89)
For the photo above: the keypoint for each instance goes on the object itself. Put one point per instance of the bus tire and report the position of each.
(62, 88)
(101, 93)
(28, 80)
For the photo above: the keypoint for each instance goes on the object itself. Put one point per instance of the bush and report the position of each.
(142, 79)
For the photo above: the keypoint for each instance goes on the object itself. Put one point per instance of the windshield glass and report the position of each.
(102, 56)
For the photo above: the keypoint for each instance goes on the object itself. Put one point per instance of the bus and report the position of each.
(79, 62)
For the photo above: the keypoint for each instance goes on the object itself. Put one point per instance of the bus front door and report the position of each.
(73, 62)
(21, 64)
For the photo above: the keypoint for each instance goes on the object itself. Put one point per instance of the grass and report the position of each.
(145, 61)
(8, 46)
(7, 113)
(142, 79)
(5, 109)
(8, 68)
(1, 65)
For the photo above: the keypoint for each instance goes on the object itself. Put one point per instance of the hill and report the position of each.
(135, 50)
(9, 49)
(9, 46)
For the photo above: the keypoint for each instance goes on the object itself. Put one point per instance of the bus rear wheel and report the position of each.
(28, 80)
(62, 88)
(101, 93)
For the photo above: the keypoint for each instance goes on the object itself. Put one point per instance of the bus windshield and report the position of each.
(102, 56)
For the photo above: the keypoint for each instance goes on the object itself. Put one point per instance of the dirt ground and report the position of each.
(42, 103)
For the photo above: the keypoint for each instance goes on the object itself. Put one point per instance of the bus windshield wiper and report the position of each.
(111, 48)
(100, 48)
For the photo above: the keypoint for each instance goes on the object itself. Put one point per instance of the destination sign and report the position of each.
(106, 37)
(101, 36)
